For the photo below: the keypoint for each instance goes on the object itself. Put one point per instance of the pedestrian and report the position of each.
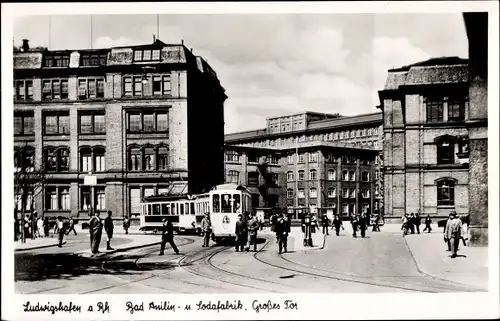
(324, 223)
(34, 225)
(411, 222)
(282, 230)
(314, 224)
(46, 226)
(109, 227)
(72, 226)
(16, 230)
(337, 223)
(206, 226)
(273, 219)
(446, 240)
(167, 235)
(27, 226)
(405, 226)
(376, 226)
(241, 234)
(354, 224)
(362, 224)
(126, 224)
(417, 222)
(465, 229)
(453, 232)
(95, 227)
(252, 226)
(428, 223)
(60, 230)
(39, 227)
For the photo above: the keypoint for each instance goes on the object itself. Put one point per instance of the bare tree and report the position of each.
(28, 181)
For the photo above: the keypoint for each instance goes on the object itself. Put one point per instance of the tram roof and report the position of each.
(164, 197)
(227, 187)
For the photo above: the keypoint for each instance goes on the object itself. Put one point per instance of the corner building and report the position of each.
(144, 119)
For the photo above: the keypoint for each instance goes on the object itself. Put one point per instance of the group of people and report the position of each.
(96, 226)
(411, 223)
(39, 227)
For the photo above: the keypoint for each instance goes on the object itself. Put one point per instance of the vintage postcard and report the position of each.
(250, 161)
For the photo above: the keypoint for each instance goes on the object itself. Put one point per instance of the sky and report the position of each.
(274, 64)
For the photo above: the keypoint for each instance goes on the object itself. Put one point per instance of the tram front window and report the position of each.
(165, 209)
(149, 210)
(156, 209)
(216, 203)
(236, 203)
(226, 203)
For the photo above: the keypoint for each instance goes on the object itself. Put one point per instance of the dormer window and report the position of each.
(147, 55)
(93, 59)
(57, 61)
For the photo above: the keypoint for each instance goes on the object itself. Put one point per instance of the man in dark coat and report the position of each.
(109, 227)
(95, 227)
(362, 224)
(282, 230)
(253, 226)
(417, 222)
(337, 223)
(241, 234)
(206, 226)
(167, 235)
(411, 222)
(354, 224)
(61, 230)
(324, 223)
(428, 223)
(71, 226)
(126, 224)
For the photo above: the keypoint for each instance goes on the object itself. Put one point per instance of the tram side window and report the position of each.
(165, 209)
(186, 205)
(236, 203)
(226, 203)
(216, 203)
(181, 212)
(174, 212)
(192, 208)
(156, 209)
(149, 209)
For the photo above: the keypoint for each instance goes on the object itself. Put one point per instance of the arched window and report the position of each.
(289, 193)
(149, 159)
(445, 150)
(135, 159)
(56, 160)
(99, 159)
(332, 175)
(85, 159)
(301, 175)
(365, 193)
(312, 174)
(352, 176)
(446, 192)
(365, 176)
(24, 159)
(289, 176)
(162, 158)
(331, 192)
(345, 177)
(313, 193)
(233, 177)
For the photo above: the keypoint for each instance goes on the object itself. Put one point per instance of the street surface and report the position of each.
(379, 263)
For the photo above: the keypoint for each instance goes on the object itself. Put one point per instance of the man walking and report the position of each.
(337, 223)
(428, 223)
(417, 222)
(95, 227)
(362, 224)
(27, 226)
(39, 227)
(206, 226)
(34, 226)
(453, 233)
(354, 224)
(126, 224)
(109, 227)
(446, 239)
(376, 227)
(167, 235)
(282, 230)
(71, 226)
(324, 223)
(241, 234)
(60, 230)
(253, 226)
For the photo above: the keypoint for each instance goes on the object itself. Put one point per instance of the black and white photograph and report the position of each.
(267, 153)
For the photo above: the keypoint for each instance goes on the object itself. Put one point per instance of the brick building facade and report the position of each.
(137, 117)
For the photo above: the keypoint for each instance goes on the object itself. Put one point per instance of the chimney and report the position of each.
(154, 38)
(26, 46)
(182, 42)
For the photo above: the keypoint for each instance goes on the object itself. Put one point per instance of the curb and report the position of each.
(38, 247)
(83, 253)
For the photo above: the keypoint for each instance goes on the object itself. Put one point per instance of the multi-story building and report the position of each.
(138, 117)
(310, 161)
(426, 140)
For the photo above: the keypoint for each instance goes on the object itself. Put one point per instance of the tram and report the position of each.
(223, 203)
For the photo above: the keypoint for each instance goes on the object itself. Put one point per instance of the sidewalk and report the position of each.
(37, 243)
(296, 239)
(138, 241)
(469, 268)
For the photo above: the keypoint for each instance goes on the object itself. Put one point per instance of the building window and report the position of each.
(313, 157)
(24, 123)
(54, 89)
(332, 192)
(445, 151)
(456, 110)
(253, 157)
(290, 159)
(290, 209)
(351, 208)
(345, 209)
(100, 198)
(313, 208)
(332, 175)
(446, 193)
(289, 176)
(161, 85)
(90, 88)
(93, 60)
(289, 193)
(100, 159)
(301, 175)
(434, 109)
(365, 176)
(352, 193)
(377, 175)
(365, 193)
(56, 160)
(147, 122)
(56, 124)
(162, 158)
(233, 177)
(92, 124)
(147, 55)
(135, 159)
(56, 61)
(274, 177)
(253, 178)
(232, 156)
(149, 159)
(365, 208)
(23, 90)
(352, 176)
(312, 174)
(85, 160)
(135, 201)
(313, 193)
(301, 158)
(302, 193)
(57, 198)
(85, 196)
(345, 176)
(345, 193)
(24, 159)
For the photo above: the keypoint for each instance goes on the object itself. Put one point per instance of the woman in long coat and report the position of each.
(95, 227)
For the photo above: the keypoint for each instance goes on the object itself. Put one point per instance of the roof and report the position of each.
(311, 113)
(444, 70)
(229, 186)
(307, 144)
